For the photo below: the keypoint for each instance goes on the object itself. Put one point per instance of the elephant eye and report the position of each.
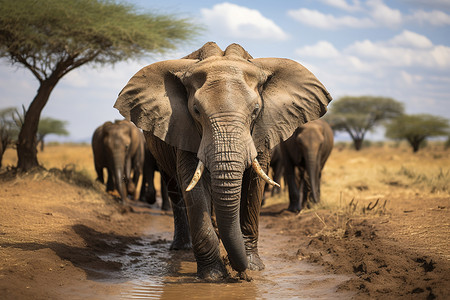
(196, 111)
(255, 111)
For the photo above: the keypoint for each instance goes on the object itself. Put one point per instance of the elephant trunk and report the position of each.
(119, 176)
(226, 182)
(312, 168)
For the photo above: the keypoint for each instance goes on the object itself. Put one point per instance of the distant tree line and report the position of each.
(11, 121)
(359, 115)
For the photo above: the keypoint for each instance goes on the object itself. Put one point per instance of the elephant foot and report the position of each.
(212, 273)
(255, 263)
(150, 199)
(294, 208)
(180, 245)
(165, 206)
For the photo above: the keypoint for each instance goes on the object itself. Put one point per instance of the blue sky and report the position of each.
(396, 48)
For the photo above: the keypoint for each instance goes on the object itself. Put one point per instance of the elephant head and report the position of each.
(226, 107)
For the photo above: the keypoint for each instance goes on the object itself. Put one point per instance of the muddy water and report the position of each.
(151, 271)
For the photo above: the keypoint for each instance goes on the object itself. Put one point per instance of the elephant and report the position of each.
(211, 119)
(119, 147)
(148, 191)
(307, 150)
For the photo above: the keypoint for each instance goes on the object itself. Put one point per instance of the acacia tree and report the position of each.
(358, 115)
(50, 126)
(417, 128)
(53, 37)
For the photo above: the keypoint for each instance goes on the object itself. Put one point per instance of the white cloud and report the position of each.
(411, 39)
(410, 79)
(342, 4)
(383, 14)
(377, 14)
(326, 50)
(409, 55)
(241, 22)
(315, 18)
(405, 50)
(434, 17)
(441, 55)
(322, 49)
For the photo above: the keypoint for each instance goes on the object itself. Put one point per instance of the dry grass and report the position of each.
(350, 178)
(75, 162)
(355, 184)
(366, 183)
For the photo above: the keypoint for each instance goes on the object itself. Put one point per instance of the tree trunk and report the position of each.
(357, 142)
(27, 142)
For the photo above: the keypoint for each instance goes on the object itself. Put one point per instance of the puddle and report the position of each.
(151, 271)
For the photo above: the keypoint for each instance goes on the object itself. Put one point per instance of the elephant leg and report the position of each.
(110, 181)
(181, 236)
(99, 171)
(303, 192)
(165, 205)
(148, 191)
(135, 182)
(205, 242)
(294, 195)
(252, 195)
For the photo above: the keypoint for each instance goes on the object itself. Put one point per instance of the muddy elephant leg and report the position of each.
(205, 242)
(252, 195)
(181, 235)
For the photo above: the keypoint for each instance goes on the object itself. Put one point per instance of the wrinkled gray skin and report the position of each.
(225, 109)
(308, 150)
(119, 147)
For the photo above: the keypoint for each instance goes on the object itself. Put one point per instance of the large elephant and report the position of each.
(119, 147)
(308, 149)
(219, 113)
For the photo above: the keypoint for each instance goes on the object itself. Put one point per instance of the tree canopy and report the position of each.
(47, 34)
(358, 115)
(417, 128)
(53, 37)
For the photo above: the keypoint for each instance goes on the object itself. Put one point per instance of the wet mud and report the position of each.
(149, 270)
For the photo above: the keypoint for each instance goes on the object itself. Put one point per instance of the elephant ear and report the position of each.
(291, 96)
(156, 101)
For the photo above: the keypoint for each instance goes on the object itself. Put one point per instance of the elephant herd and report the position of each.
(210, 123)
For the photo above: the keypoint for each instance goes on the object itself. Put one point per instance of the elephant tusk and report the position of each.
(257, 167)
(198, 173)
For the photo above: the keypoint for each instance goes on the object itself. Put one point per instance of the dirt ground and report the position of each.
(384, 222)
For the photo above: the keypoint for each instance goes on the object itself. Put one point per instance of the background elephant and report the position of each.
(219, 113)
(307, 150)
(119, 147)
